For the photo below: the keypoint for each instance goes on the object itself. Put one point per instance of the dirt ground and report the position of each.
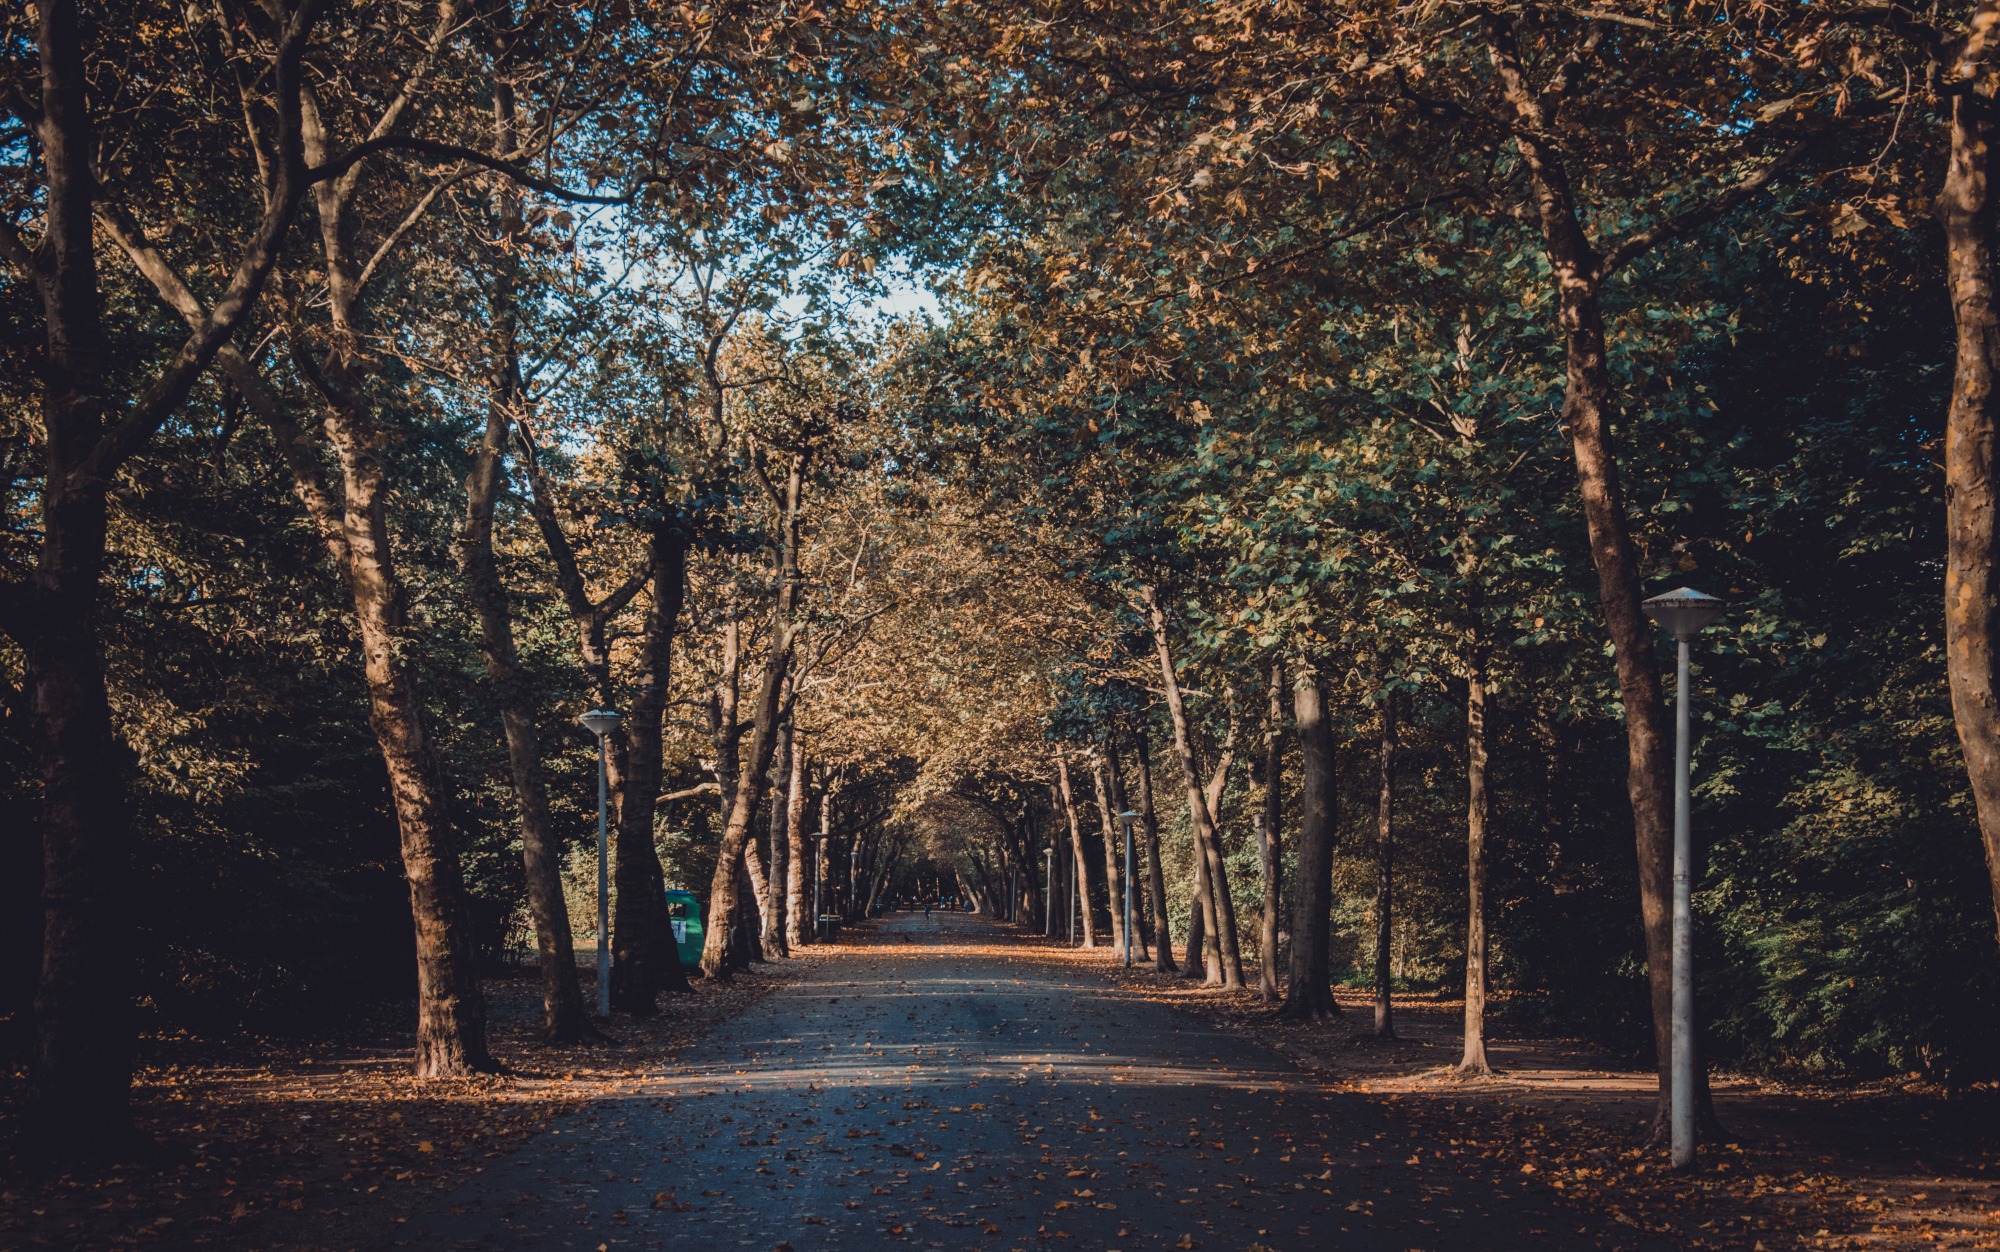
(1839, 1167)
(261, 1134)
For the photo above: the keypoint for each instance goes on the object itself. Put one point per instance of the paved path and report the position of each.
(943, 1087)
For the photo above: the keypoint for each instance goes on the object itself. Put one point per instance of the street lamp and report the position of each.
(1128, 819)
(854, 878)
(601, 722)
(1682, 612)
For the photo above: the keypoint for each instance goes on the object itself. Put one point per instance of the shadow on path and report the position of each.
(941, 1086)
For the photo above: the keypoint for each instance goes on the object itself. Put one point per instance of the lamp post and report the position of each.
(1128, 819)
(1682, 612)
(601, 722)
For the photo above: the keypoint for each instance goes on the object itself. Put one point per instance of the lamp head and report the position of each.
(1683, 611)
(1128, 819)
(599, 722)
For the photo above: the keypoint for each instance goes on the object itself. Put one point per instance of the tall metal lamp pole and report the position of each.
(601, 722)
(1682, 612)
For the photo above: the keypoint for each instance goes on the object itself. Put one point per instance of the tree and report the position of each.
(83, 1063)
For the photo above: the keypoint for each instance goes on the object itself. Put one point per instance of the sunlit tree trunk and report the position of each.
(1473, 1060)
(451, 1012)
(796, 869)
(1966, 208)
(725, 905)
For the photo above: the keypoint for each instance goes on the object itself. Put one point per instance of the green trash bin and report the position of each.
(685, 911)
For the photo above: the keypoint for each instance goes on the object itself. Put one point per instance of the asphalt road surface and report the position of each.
(942, 1087)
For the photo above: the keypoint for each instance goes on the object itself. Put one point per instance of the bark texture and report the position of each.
(1267, 827)
(1966, 209)
(796, 902)
(451, 1013)
(645, 961)
(1309, 986)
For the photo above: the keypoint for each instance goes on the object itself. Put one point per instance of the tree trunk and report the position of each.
(1201, 815)
(1267, 827)
(778, 892)
(724, 903)
(1589, 411)
(752, 893)
(78, 1101)
(1113, 880)
(1156, 879)
(1309, 989)
(1966, 208)
(451, 1013)
(1202, 961)
(1079, 861)
(1473, 1061)
(565, 1018)
(796, 887)
(1385, 846)
(645, 961)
